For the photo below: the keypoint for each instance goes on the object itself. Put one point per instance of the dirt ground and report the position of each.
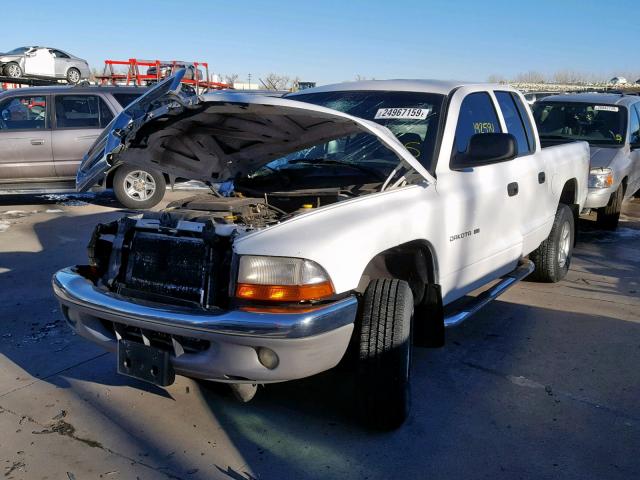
(544, 383)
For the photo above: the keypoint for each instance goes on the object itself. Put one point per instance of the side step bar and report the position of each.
(524, 268)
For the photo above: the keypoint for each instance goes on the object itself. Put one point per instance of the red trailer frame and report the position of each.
(135, 77)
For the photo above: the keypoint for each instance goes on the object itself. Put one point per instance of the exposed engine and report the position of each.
(183, 254)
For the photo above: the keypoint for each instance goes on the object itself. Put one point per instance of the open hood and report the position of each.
(219, 136)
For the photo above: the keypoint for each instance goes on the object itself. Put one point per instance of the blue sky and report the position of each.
(331, 41)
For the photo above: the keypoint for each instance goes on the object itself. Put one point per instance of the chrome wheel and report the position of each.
(73, 76)
(139, 185)
(14, 70)
(564, 245)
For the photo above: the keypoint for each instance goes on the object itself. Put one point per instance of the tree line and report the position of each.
(564, 77)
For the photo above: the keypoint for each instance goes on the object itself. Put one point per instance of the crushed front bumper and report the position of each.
(220, 346)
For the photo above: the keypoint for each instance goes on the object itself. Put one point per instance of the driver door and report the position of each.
(482, 236)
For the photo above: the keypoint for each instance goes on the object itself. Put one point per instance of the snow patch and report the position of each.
(4, 226)
(54, 210)
(69, 199)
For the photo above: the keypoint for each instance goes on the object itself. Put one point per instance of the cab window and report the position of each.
(23, 113)
(477, 116)
(81, 111)
(514, 121)
(124, 99)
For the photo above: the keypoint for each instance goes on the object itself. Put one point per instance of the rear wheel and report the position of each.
(383, 369)
(138, 188)
(609, 216)
(73, 76)
(13, 70)
(553, 257)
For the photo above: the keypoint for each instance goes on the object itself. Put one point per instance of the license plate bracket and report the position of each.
(145, 363)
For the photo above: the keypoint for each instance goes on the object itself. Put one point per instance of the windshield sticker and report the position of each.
(402, 113)
(483, 127)
(605, 108)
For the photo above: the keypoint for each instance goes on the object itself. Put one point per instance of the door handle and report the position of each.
(541, 177)
(512, 189)
(37, 141)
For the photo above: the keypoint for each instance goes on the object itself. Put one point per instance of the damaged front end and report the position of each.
(170, 281)
(180, 256)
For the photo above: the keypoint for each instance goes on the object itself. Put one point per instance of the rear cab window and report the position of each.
(27, 112)
(81, 111)
(516, 121)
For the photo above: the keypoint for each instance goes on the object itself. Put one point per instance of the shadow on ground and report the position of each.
(521, 391)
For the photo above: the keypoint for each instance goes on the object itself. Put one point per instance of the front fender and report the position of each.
(345, 236)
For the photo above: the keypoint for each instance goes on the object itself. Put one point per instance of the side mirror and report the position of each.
(487, 148)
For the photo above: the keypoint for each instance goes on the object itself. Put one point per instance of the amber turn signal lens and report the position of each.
(284, 293)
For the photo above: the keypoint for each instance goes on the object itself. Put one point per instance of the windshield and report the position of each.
(18, 51)
(412, 117)
(356, 159)
(594, 123)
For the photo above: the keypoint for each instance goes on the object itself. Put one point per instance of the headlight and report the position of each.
(600, 178)
(281, 279)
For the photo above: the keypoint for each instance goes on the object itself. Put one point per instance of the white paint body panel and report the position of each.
(345, 236)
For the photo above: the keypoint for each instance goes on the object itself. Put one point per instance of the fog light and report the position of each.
(268, 357)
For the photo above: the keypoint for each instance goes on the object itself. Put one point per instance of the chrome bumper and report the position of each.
(599, 197)
(306, 343)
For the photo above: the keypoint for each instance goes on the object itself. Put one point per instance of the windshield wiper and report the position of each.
(328, 161)
(556, 137)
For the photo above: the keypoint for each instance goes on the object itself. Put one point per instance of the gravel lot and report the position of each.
(544, 383)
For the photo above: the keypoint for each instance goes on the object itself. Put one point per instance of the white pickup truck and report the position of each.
(352, 216)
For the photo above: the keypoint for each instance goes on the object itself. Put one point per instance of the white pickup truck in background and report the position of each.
(353, 216)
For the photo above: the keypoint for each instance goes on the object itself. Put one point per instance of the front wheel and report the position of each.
(138, 188)
(13, 70)
(609, 216)
(73, 76)
(553, 257)
(382, 372)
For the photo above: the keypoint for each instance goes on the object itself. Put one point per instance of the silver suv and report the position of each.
(611, 125)
(45, 132)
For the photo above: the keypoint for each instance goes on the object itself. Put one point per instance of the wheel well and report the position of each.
(569, 192)
(413, 262)
(624, 184)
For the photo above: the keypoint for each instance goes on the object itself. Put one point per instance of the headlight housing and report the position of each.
(600, 178)
(281, 279)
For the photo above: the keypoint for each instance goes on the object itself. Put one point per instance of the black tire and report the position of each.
(127, 196)
(73, 76)
(382, 373)
(428, 319)
(609, 216)
(13, 70)
(553, 257)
